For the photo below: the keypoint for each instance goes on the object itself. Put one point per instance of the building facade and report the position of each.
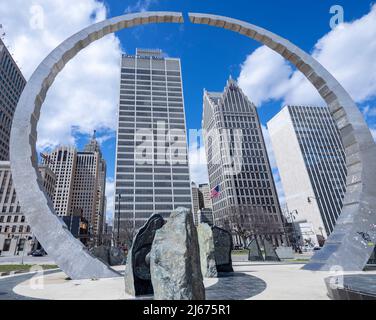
(62, 161)
(15, 233)
(238, 166)
(12, 83)
(311, 162)
(195, 202)
(205, 200)
(152, 171)
(80, 184)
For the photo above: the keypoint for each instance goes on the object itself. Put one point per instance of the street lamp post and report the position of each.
(294, 233)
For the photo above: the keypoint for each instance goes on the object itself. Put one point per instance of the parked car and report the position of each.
(316, 248)
(39, 253)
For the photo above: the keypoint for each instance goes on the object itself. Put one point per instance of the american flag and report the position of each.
(214, 193)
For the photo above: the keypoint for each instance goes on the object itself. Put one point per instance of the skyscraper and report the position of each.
(204, 196)
(311, 163)
(12, 83)
(238, 165)
(80, 183)
(152, 172)
(195, 201)
(62, 161)
(15, 234)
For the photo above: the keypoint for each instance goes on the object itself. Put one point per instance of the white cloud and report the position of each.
(110, 192)
(84, 95)
(140, 6)
(197, 163)
(347, 51)
(263, 75)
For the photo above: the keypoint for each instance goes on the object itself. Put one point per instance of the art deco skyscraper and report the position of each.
(12, 83)
(80, 183)
(152, 172)
(238, 165)
(311, 163)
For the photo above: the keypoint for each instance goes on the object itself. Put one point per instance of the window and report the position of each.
(6, 245)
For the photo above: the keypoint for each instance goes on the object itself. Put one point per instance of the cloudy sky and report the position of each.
(84, 96)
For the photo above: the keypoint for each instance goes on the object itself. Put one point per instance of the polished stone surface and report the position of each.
(222, 249)
(270, 254)
(352, 287)
(137, 271)
(175, 259)
(254, 251)
(207, 252)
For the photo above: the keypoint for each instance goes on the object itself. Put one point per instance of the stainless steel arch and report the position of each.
(353, 239)
(358, 214)
(69, 253)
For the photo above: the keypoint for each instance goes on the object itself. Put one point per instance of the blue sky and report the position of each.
(209, 56)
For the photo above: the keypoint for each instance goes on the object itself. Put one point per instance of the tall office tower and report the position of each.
(243, 190)
(152, 171)
(195, 201)
(311, 163)
(62, 161)
(80, 183)
(99, 218)
(204, 196)
(12, 83)
(15, 233)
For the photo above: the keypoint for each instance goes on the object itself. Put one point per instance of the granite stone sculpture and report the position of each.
(270, 253)
(207, 252)
(137, 271)
(343, 247)
(175, 260)
(112, 256)
(222, 249)
(254, 251)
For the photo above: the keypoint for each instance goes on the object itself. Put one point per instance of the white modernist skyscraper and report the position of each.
(311, 163)
(152, 171)
(238, 165)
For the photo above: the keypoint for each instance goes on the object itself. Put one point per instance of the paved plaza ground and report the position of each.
(250, 281)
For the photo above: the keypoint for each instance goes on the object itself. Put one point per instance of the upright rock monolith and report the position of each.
(222, 247)
(113, 256)
(270, 253)
(207, 252)
(175, 260)
(254, 251)
(137, 271)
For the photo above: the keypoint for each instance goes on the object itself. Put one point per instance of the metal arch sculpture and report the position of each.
(346, 247)
(358, 215)
(69, 253)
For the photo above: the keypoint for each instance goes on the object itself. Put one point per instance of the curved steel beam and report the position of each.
(68, 253)
(71, 255)
(352, 242)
